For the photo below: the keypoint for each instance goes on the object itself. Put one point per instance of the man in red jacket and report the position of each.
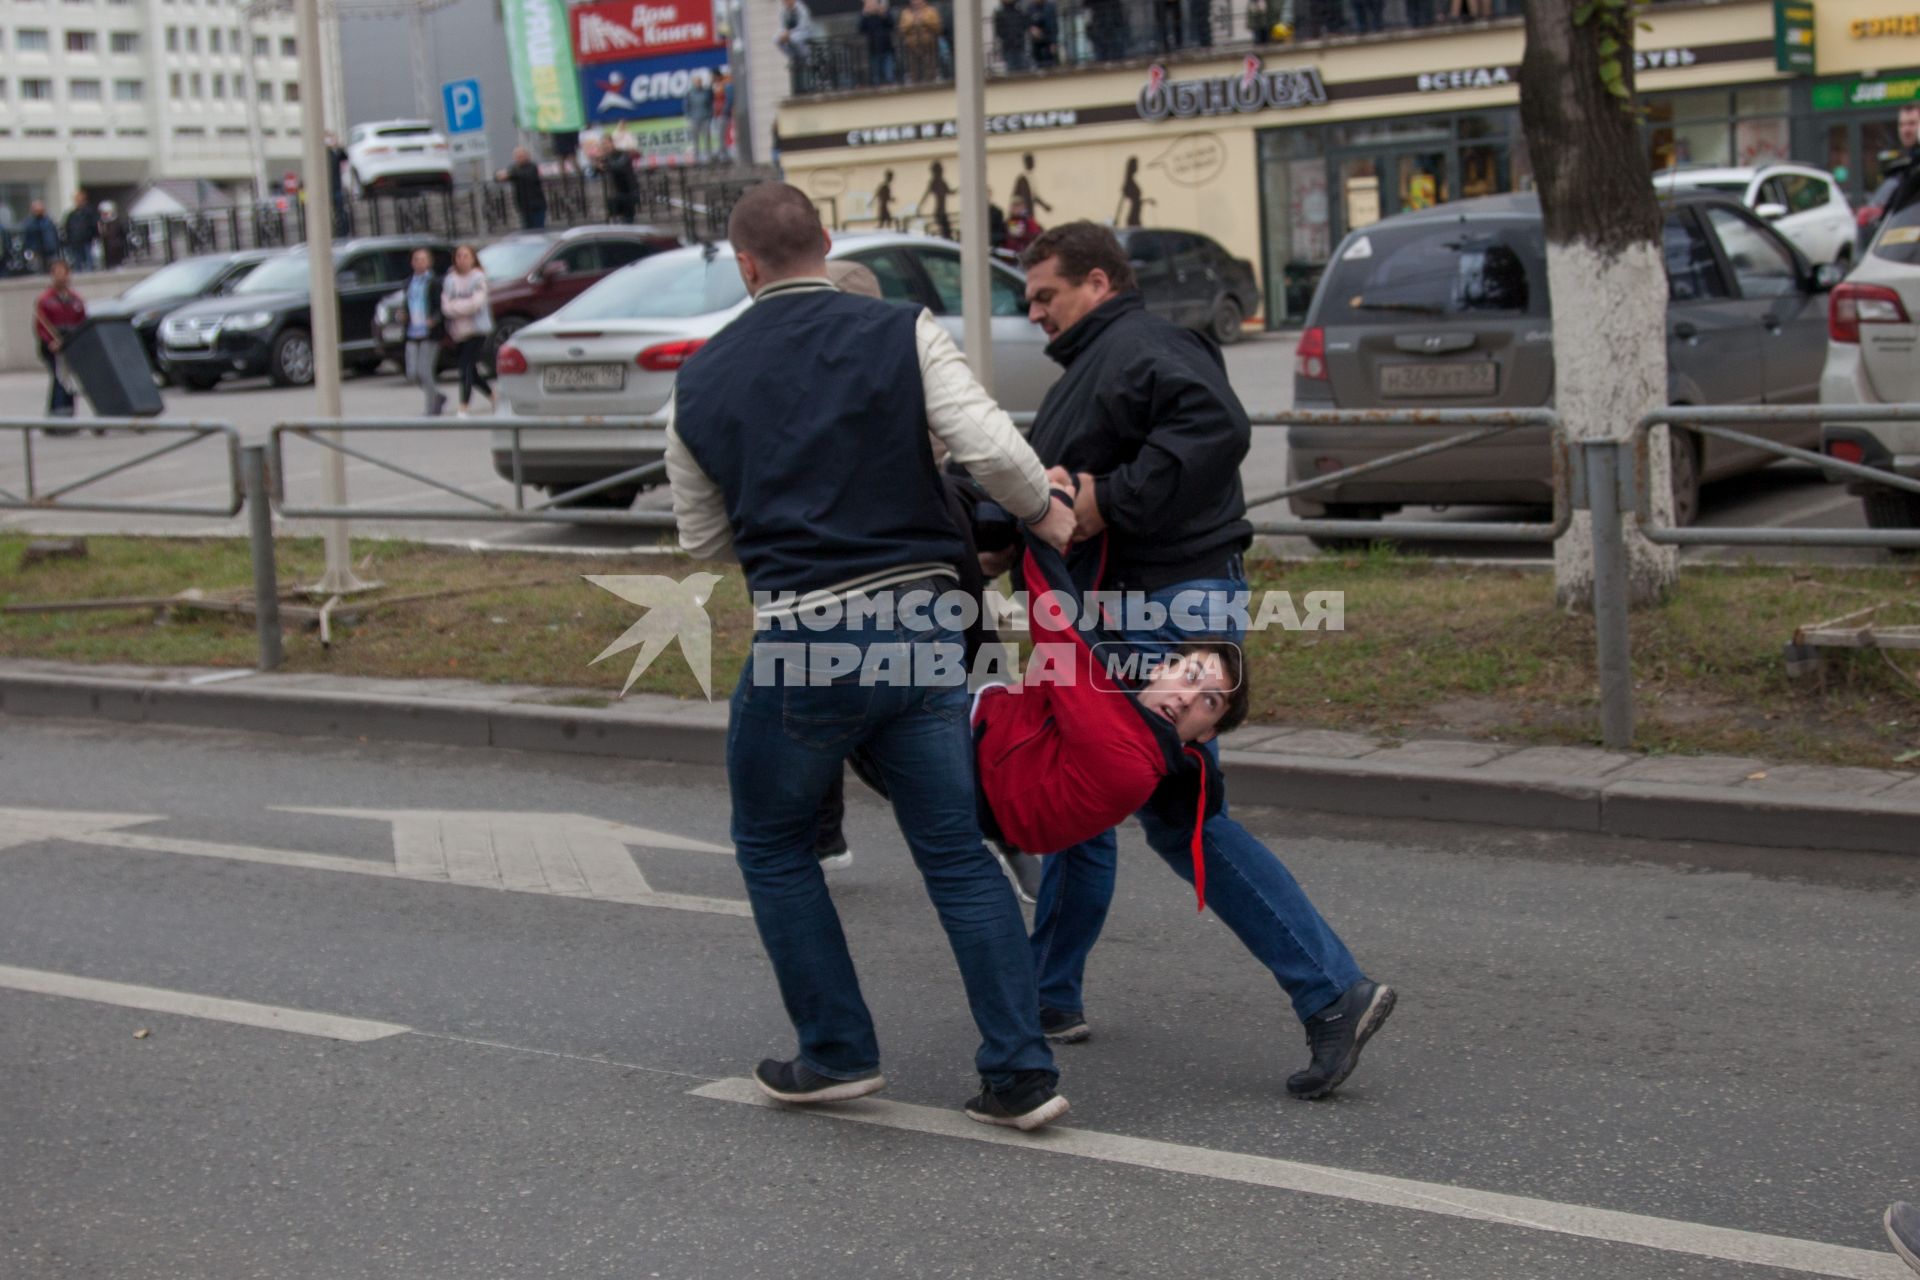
(56, 313)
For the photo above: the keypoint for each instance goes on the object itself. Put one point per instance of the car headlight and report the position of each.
(248, 320)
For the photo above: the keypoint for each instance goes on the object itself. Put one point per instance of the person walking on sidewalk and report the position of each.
(824, 486)
(56, 313)
(421, 307)
(1147, 423)
(469, 318)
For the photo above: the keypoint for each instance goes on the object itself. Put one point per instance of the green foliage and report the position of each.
(1614, 21)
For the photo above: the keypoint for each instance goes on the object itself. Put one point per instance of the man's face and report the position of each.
(422, 262)
(1189, 691)
(59, 273)
(38, 209)
(521, 155)
(1055, 304)
(1909, 126)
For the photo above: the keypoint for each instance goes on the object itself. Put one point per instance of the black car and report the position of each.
(1189, 279)
(158, 296)
(264, 324)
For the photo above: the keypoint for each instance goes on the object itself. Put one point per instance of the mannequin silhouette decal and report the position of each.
(1023, 187)
(1127, 212)
(937, 191)
(883, 203)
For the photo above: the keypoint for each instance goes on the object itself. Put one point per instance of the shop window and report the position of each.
(1758, 142)
(1767, 100)
(1671, 146)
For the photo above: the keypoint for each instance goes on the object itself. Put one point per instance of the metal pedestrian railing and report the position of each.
(179, 435)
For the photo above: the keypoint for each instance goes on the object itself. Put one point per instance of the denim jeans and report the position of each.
(1247, 886)
(786, 742)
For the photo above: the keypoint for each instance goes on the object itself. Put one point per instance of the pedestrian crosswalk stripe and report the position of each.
(186, 1004)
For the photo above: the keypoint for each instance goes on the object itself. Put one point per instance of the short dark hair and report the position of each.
(1233, 663)
(1081, 248)
(776, 223)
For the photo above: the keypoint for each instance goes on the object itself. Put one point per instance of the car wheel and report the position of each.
(291, 362)
(1226, 321)
(606, 500)
(1345, 542)
(1684, 454)
(199, 381)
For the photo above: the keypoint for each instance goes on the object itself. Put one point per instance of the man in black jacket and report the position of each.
(529, 194)
(82, 228)
(1146, 421)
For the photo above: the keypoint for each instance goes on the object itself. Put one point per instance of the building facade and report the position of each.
(1278, 150)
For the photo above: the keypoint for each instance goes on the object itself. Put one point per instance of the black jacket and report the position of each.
(529, 193)
(1146, 409)
(82, 225)
(1010, 23)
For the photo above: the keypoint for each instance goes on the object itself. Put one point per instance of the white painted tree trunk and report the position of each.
(1610, 370)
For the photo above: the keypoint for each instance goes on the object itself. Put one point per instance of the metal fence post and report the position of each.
(1605, 460)
(266, 586)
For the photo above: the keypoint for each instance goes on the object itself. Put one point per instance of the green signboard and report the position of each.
(1843, 95)
(1793, 36)
(546, 92)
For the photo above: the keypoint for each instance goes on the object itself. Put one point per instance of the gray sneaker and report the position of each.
(1024, 870)
(1902, 1222)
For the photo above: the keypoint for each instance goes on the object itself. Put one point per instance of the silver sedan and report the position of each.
(615, 349)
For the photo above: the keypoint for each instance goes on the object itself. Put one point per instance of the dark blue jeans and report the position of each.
(1247, 886)
(786, 741)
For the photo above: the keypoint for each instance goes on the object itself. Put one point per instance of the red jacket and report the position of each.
(54, 312)
(1070, 752)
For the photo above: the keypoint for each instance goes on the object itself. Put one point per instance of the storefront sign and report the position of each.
(932, 131)
(1470, 78)
(1875, 28)
(619, 29)
(540, 57)
(1663, 59)
(1254, 89)
(645, 88)
(1793, 36)
(1845, 94)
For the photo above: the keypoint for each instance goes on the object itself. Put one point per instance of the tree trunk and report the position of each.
(1604, 269)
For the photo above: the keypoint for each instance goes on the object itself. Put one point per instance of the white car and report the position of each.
(614, 350)
(1804, 204)
(388, 154)
(1871, 343)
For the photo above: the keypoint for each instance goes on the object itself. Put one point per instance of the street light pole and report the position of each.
(976, 303)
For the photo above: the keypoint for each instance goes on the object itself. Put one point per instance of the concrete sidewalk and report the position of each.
(1712, 798)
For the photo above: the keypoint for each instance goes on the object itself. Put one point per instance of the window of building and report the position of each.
(219, 85)
(189, 131)
(30, 40)
(129, 90)
(36, 89)
(213, 40)
(262, 46)
(83, 42)
(3, 88)
(233, 39)
(195, 85)
(193, 39)
(264, 90)
(291, 93)
(173, 86)
(83, 90)
(126, 42)
(173, 39)
(287, 47)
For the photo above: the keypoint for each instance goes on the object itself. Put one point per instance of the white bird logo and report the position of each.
(674, 611)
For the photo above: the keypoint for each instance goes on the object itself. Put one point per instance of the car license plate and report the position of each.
(584, 377)
(1440, 378)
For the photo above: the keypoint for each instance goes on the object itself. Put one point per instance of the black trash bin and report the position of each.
(109, 362)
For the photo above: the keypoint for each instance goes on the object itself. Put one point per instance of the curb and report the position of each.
(1660, 811)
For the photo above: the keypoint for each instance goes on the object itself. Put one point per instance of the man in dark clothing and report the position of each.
(825, 488)
(336, 188)
(1146, 421)
(1010, 33)
(82, 228)
(623, 186)
(39, 237)
(1043, 28)
(529, 193)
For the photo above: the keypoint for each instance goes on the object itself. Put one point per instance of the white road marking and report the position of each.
(1666, 1234)
(185, 1003)
(553, 854)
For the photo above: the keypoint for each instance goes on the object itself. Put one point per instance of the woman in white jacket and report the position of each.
(469, 318)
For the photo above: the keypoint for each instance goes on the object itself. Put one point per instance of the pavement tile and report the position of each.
(1826, 780)
(1250, 738)
(1440, 753)
(1906, 793)
(1699, 771)
(1325, 743)
(1558, 764)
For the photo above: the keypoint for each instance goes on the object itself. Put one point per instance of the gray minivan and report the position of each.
(1448, 308)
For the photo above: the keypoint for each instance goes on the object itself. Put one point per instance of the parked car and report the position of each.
(532, 275)
(1872, 339)
(1448, 307)
(153, 299)
(389, 155)
(1189, 279)
(265, 324)
(615, 350)
(1804, 204)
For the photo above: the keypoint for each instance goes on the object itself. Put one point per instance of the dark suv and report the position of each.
(533, 274)
(265, 324)
(1189, 279)
(173, 286)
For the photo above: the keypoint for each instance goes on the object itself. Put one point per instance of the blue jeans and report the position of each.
(786, 742)
(1247, 886)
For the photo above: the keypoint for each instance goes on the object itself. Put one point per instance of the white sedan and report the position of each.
(615, 349)
(1804, 204)
(389, 154)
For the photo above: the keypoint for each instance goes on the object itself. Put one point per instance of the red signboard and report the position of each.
(623, 29)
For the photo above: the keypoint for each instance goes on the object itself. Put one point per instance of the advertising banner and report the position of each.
(643, 88)
(540, 53)
(616, 30)
(657, 141)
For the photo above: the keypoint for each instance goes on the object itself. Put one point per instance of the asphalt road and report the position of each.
(1715, 1047)
(1785, 495)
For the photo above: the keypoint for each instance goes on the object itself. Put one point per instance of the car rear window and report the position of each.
(667, 286)
(1437, 269)
(404, 130)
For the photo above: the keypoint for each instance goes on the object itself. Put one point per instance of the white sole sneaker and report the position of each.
(1046, 1113)
(837, 862)
(845, 1091)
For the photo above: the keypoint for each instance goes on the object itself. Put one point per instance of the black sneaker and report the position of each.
(1336, 1035)
(1064, 1028)
(1026, 1104)
(1903, 1230)
(792, 1082)
(834, 857)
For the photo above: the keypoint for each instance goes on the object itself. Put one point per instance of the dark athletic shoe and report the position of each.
(1064, 1028)
(792, 1082)
(835, 856)
(1902, 1222)
(1026, 1104)
(1336, 1035)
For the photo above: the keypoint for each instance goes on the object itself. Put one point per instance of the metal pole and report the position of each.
(970, 74)
(266, 587)
(1604, 460)
(338, 577)
(256, 144)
